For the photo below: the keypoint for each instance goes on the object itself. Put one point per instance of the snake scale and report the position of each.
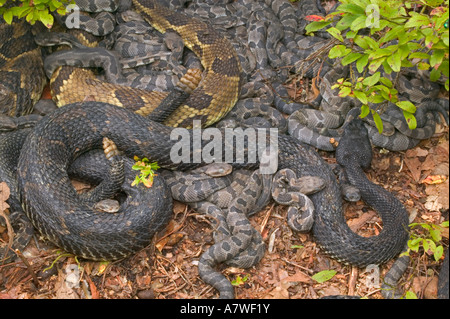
(207, 103)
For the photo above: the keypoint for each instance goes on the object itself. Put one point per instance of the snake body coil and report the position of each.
(52, 205)
(214, 96)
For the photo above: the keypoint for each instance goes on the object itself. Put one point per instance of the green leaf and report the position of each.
(379, 53)
(438, 253)
(386, 67)
(403, 51)
(444, 67)
(406, 106)
(386, 82)
(316, 25)
(425, 226)
(437, 57)
(406, 64)
(335, 33)
(414, 244)
(29, 16)
(392, 34)
(417, 20)
(365, 110)
(436, 235)
(410, 120)
(444, 38)
(372, 80)
(395, 61)
(345, 22)
(56, 3)
(344, 91)
(359, 23)
(362, 62)
(351, 34)
(378, 121)
(351, 8)
(324, 275)
(435, 75)
(361, 42)
(46, 18)
(338, 51)
(419, 55)
(351, 58)
(369, 42)
(361, 96)
(412, 45)
(426, 245)
(376, 98)
(423, 66)
(410, 295)
(8, 16)
(136, 181)
(431, 245)
(239, 280)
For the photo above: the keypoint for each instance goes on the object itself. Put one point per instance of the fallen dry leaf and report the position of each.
(4, 195)
(426, 286)
(438, 197)
(279, 292)
(414, 166)
(63, 290)
(298, 277)
(171, 240)
(434, 179)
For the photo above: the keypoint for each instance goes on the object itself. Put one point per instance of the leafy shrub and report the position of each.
(393, 34)
(33, 10)
(430, 240)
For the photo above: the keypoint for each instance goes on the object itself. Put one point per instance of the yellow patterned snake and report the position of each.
(216, 93)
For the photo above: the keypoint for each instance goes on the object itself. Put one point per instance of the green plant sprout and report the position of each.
(147, 171)
(239, 280)
(324, 275)
(430, 241)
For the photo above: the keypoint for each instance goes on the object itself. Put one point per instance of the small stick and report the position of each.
(352, 281)
(29, 267)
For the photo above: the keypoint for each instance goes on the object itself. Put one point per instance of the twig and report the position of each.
(297, 265)
(177, 268)
(10, 232)
(352, 281)
(266, 218)
(29, 267)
